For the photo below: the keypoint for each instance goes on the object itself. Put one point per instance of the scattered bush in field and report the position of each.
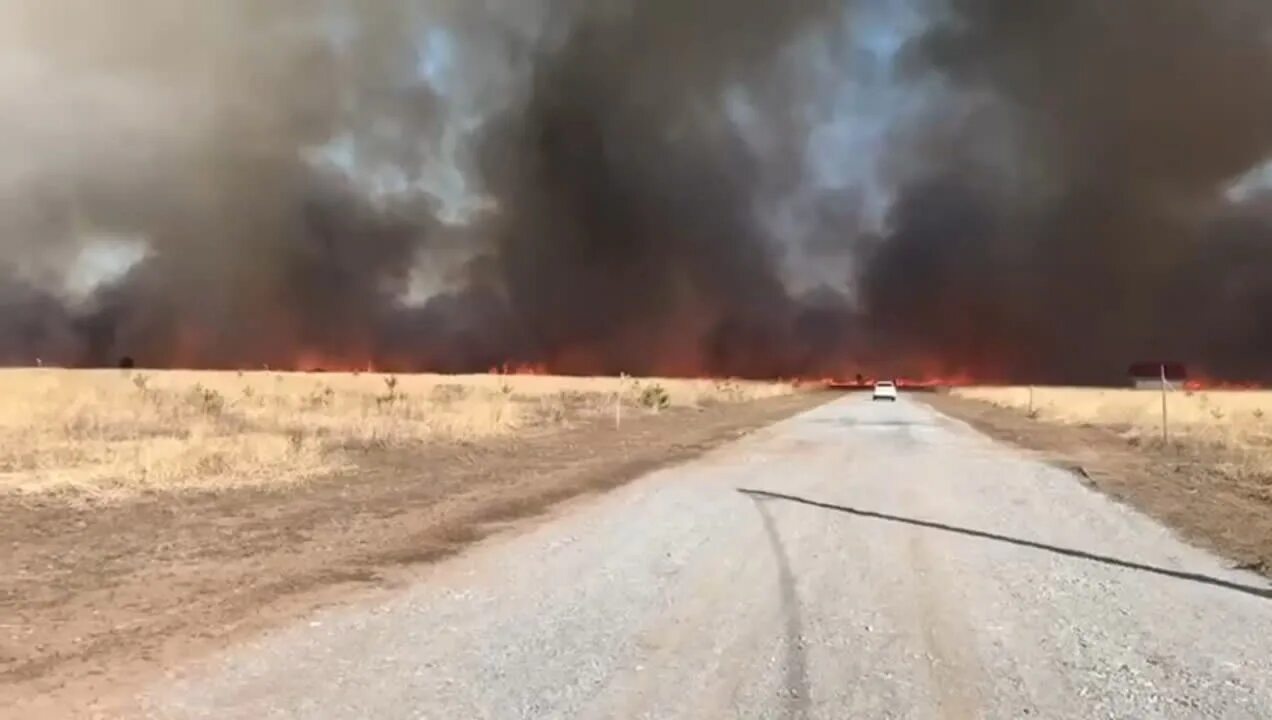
(655, 397)
(579, 400)
(553, 409)
(391, 395)
(1216, 413)
(209, 401)
(141, 382)
(1258, 413)
(728, 391)
(249, 392)
(320, 398)
(448, 393)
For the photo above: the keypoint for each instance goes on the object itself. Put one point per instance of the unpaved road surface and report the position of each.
(861, 560)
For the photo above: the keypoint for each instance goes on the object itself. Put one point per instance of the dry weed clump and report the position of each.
(114, 434)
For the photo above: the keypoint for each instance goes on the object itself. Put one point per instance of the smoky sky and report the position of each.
(1093, 225)
(1002, 190)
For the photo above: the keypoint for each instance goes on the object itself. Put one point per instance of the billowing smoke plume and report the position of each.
(650, 186)
(274, 160)
(1068, 207)
(183, 128)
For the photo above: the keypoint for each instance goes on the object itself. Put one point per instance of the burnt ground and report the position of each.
(95, 600)
(1189, 487)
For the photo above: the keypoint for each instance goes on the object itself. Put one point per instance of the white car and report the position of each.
(885, 390)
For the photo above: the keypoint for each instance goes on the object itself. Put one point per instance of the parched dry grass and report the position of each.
(115, 434)
(1245, 409)
(1233, 427)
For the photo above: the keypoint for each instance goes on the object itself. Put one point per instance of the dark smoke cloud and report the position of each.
(185, 126)
(1087, 225)
(638, 185)
(623, 235)
(629, 235)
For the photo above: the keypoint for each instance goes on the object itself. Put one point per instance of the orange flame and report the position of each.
(1206, 383)
(520, 369)
(308, 362)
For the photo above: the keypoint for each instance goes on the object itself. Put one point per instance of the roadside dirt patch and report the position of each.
(94, 598)
(1190, 487)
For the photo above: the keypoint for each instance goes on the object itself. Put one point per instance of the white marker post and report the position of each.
(618, 402)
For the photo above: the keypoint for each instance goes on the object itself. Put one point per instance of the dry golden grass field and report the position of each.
(1237, 422)
(1248, 410)
(113, 434)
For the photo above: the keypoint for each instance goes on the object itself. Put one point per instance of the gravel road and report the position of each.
(859, 561)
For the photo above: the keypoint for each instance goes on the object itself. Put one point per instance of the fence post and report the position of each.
(618, 402)
(1165, 424)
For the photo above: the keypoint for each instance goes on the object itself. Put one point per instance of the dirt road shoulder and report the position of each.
(1186, 489)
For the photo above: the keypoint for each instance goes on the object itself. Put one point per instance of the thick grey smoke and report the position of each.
(273, 160)
(1078, 215)
(184, 128)
(636, 185)
(629, 234)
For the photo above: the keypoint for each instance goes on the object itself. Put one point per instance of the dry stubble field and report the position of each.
(114, 434)
(1230, 428)
(153, 516)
